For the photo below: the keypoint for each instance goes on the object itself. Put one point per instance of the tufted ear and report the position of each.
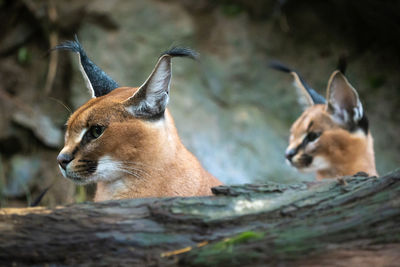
(343, 101)
(151, 99)
(97, 81)
(306, 95)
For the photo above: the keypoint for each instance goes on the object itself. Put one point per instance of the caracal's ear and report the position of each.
(151, 99)
(97, 81)
(343, 101)
(306, 95)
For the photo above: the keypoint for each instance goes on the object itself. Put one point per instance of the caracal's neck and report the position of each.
(169, 170)
(359, 157)
(182, 175)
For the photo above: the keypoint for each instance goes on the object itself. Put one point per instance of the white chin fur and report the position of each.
(73, 177)
(107, 170)
(62, 171)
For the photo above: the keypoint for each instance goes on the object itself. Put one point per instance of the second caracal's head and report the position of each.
(320, 137)
(121, 128)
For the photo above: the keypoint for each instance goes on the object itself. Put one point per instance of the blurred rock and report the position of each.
(41, 125)
(19, 35)
(10, 145)
(23, 172)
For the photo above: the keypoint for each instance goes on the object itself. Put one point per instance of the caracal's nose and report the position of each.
(289, 153)
(64, 159)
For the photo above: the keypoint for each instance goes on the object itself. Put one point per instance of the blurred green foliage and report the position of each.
(24, 56)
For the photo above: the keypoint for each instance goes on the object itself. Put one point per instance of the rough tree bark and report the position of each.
(354, 221)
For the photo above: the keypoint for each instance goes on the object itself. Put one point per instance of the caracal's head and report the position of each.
(121, 128)
(331, 135)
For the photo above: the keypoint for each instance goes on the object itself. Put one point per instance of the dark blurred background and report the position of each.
(230, 109)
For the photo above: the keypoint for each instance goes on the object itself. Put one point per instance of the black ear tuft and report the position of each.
(73, 46)
(342, 64)
(151, 99)
(98, 82)
(311, 95)
(276, 65)
(181, 52)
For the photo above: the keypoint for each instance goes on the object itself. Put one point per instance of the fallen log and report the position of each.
(352, 221)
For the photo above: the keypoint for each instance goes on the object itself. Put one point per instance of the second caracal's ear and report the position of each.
(97, 81)
(151, 99)
(343, 101)
(307, 96)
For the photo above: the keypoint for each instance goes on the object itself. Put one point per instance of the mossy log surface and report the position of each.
(350, 221)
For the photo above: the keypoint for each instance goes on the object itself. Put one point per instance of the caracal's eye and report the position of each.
(312, 136)
(96, 131)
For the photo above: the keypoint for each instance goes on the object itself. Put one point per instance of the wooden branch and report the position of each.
(327, 223)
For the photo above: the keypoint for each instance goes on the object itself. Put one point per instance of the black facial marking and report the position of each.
(306, 160)
(92, 168)
(85, 160)
(312, 136)
(85, 139)
(88, 166)
(80, 166)
(75, 151)
(310, 125)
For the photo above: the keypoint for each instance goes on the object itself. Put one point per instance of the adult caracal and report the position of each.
(124, 139)
(331, 137)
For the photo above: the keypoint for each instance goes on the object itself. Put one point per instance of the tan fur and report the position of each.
(345, 153)
(159, 164)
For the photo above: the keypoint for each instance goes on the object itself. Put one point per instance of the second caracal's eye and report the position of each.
(96, 131)
(312, 136)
